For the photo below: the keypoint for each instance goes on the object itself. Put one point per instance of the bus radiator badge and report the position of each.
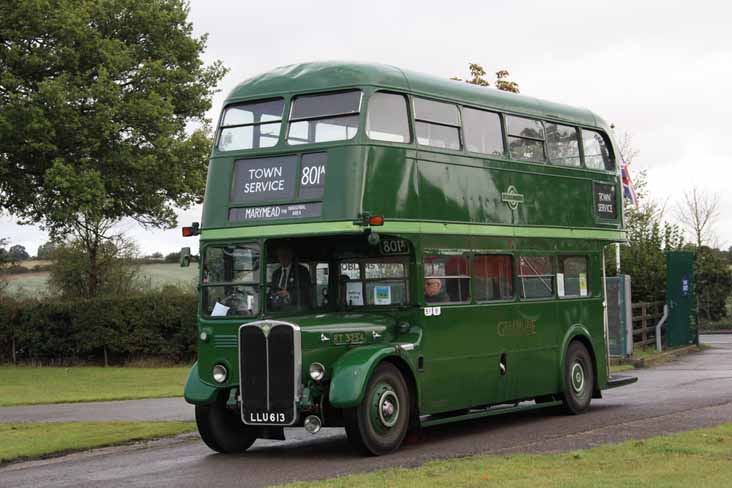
(512, 197)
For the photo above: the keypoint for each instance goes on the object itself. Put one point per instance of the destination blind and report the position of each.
(276, 179)
(605, 201)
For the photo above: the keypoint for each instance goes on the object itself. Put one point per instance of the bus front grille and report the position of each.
(269, 369)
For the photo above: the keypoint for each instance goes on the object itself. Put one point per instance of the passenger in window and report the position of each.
(433, 292)
(290, 282)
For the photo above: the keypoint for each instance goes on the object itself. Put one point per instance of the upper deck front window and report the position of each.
(597, 151)
(324, 117)
(386, 119)
(251, 125)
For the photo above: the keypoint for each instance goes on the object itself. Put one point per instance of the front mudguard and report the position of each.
(196, 391)
(352, 371)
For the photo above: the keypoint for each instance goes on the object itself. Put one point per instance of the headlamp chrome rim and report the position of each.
(219, 373)
(316, 371)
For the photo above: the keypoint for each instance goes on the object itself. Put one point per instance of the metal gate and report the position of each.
(619, 316)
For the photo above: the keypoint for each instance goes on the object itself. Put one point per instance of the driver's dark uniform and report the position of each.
(296, 280)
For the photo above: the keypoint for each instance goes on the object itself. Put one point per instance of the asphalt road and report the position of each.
(693, 392)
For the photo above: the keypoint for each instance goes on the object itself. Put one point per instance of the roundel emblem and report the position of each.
(512, 197)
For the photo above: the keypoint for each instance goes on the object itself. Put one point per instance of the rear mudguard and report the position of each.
(196, 391)
(574, 332)
(352, 371)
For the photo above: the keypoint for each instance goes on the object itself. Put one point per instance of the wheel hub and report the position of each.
(385, 408)
(578, 377)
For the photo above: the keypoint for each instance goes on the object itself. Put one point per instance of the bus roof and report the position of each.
(329, 75)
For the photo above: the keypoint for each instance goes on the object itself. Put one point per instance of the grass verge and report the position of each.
(34, 440)
(695, 458)
(29, 386)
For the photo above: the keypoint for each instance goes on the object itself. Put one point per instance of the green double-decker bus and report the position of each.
(384, 250)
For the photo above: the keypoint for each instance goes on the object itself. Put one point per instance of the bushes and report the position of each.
(156, 324)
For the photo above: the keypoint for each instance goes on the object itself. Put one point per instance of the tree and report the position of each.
(18, 253)
(698, 213)
(45, 250)
(4, 260)
(477, 73)
(95, 99)
(70, 271)
(713, 284)
(649, 237)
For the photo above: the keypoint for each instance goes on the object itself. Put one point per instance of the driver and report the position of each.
(291, 281)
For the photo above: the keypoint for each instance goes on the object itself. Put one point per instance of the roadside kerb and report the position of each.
(656, 359)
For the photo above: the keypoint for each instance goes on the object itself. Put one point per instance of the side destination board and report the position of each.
(605, 199)
(280, 178)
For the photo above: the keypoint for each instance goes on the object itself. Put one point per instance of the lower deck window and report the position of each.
(536, 276)
(493, 278)
(446, 279)
(572, 276)
(373, 283)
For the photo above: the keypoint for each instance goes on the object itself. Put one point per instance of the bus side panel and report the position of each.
(461, 363)
(529, 338)
(390, 188)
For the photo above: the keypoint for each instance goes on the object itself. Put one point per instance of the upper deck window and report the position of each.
(562, 144)
(597, 151)
(525, 138)
(251, 125)
(324, 117)
(437, 123)
(386, 119)
(482, 131)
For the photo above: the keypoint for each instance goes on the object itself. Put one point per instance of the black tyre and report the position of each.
(222, 429)
(378, 425)
(579, 379)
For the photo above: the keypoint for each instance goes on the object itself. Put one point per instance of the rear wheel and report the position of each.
(378, 425)
(579, 379)
(222, 429)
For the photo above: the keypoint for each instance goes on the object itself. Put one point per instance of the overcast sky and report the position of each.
(659, 70)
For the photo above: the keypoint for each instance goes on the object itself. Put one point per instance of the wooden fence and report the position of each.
(645, 317)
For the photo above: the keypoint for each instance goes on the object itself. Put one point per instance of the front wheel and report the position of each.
(378, 425)
(222, 429)
(579, 379)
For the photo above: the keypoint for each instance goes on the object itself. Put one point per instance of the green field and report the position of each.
(695, 458)
(27, 385)
(33, 440)
(155, 275)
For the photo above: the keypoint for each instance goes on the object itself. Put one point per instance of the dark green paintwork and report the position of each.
(440, 200)
(681, 324)
(352, 371)
(196, 391)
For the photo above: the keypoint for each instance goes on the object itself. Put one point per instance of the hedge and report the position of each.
(156, 324)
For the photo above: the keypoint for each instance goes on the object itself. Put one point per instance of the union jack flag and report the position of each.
(628, 191)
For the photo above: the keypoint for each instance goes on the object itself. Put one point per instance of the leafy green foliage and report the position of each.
(115, 273)
(18, 253)
(477, 73)
(95, 100)
(159, 324)
(713, 284)
(45, 250)
(649, 237)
